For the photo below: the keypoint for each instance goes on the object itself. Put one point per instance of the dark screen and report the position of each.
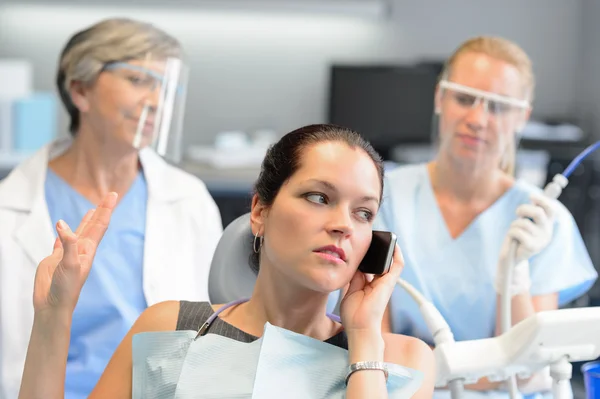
(387, 105)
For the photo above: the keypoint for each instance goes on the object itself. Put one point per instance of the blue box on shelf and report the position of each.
(34, 121)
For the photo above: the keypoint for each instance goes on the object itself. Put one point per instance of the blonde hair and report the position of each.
(110, 40)
(509, 52)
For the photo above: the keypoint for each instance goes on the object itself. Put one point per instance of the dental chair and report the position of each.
(231, 277)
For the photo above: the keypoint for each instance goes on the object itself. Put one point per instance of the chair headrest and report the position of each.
(231, 277)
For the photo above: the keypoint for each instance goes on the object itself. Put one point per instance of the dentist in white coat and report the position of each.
(123, 84)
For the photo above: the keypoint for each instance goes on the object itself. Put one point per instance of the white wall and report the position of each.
(589, 93)
(251, 71)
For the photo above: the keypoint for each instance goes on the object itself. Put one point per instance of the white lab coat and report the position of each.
(183, 227)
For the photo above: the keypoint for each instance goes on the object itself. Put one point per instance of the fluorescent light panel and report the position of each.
(29, 21)
(347, 8)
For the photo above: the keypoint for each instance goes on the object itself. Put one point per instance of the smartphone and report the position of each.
(378, 258)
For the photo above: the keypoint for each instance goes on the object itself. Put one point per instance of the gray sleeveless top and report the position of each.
(193, 314)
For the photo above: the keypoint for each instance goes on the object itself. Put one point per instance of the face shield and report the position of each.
(476, 126)
(154, 105)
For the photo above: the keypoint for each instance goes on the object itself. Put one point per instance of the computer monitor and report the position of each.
(388, 105)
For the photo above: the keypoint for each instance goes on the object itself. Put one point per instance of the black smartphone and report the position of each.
(378, 258)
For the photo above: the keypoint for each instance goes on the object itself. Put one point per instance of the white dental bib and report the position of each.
(186, 365)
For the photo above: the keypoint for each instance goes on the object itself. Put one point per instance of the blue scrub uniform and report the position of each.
(112, 297)
(457, 274)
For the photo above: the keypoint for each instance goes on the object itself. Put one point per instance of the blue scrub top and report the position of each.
(457, 274)
(112, 297)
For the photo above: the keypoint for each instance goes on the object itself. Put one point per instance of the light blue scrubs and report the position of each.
(112, 297)
(458, 274)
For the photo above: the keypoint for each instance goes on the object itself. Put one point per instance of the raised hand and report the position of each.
(60, 277)
(365, 301)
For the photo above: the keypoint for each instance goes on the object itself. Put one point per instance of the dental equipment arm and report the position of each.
(510, 261)
(553, 191)
(553, 338)
(440, 330)
(549, 337)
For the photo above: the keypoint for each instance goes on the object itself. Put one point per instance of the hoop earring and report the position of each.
(260, 243)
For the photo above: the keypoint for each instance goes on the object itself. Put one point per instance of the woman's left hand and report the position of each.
(365, 301)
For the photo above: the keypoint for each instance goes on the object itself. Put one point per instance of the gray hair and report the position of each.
(110, 40)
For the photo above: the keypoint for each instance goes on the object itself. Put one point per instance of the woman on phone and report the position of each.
(316, 198)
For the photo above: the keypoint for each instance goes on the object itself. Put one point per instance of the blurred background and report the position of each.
(262, 68)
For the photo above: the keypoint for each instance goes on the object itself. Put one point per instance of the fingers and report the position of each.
(57, 245)
(534, 212)
(397, 264)
(97, 225)
(520, 235)
(57, 251)
(357, 283)
(84, 222)
(541, 210)
(68, 239)
(525, 225)
(523, 236)
(547, 204)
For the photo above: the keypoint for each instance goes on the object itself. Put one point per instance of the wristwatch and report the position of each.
(358, 366)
